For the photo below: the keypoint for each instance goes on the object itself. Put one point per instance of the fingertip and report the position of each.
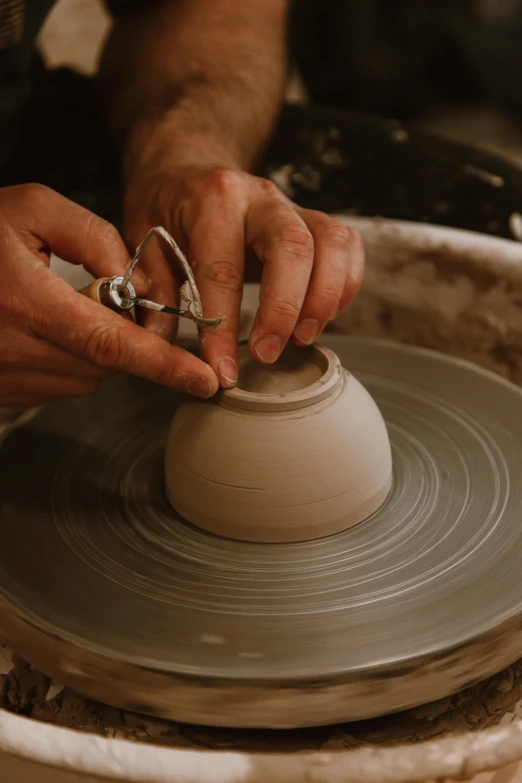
(307, 331)
(219, 349)
(227, 372)
(266, 348)
(201, 387)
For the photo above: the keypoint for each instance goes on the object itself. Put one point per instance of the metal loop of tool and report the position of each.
(117, 296)
(123, 296)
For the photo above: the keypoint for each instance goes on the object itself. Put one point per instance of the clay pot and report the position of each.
(297, 450)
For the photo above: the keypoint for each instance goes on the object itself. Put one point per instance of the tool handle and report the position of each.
(98, 292)
(92, 291)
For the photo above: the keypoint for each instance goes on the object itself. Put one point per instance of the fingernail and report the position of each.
(307, 331)
(268, 349)
(200, 387)
(227, 368)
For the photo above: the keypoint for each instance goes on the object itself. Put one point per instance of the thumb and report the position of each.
(96, 334)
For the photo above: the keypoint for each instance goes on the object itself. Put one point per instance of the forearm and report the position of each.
(193, 79)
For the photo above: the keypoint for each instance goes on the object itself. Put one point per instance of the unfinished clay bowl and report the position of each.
(296, 451)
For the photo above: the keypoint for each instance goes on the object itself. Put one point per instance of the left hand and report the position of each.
(235, 227)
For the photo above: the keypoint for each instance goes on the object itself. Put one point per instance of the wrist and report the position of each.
(184, 137)
(163, 158)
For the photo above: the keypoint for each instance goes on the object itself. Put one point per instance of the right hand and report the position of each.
(54, 342)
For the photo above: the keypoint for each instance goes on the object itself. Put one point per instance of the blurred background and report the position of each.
(454, 68)
(409, 109)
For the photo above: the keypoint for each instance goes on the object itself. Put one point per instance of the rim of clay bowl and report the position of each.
(332, 377)
(80, 753)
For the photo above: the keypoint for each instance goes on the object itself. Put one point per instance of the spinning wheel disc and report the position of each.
(103, 586)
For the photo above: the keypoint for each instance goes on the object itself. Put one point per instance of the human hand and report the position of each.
(54, 342)
(235, 227)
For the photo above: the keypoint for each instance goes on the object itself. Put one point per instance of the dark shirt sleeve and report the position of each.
(119, 8)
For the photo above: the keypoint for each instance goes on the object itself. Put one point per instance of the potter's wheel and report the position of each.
(103, 588)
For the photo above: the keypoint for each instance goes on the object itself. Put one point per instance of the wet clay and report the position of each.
(296, 369)
(432, 291)
(297, 451)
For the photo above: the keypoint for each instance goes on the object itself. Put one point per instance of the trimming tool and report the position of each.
(119, 294)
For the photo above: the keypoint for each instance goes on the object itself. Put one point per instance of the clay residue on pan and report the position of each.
(497, 701)
(440, 297)
(296, 369)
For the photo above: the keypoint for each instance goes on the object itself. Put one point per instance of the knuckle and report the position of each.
(225, 274)
(103, 230)
(224, 181)
(269, 188)
(297, 241)
(35, 194)
(330, 294)
(168, 374)
(337, 235)
(104, 345)
(285, 308)
(223, 339)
